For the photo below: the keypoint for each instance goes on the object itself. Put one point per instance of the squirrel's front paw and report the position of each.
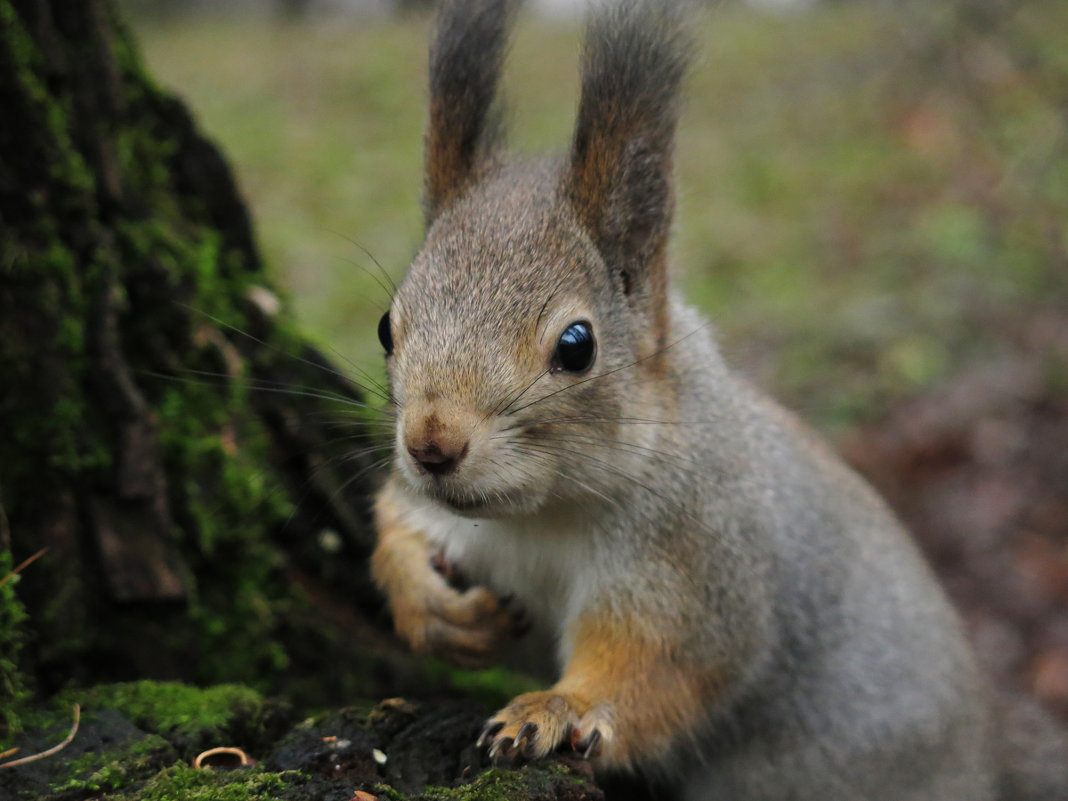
(535, 724)
(467, 628)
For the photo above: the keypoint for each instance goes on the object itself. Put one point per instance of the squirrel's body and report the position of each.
(825, 606)
(734, 612)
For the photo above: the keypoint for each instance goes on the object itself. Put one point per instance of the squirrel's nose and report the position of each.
(437, 459)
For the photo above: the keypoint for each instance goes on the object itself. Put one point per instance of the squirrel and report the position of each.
(733, 612)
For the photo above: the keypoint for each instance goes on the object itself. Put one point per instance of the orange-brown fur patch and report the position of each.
(399, 550)
(654, 694)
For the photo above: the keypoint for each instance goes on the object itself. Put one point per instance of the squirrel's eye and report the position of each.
(576, 349)
(384, 335)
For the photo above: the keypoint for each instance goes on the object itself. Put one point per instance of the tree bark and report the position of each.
(184, 456)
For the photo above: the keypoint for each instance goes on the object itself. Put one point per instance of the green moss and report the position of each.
(147, 158)
(13, 689)
(128, 57)
(230, 504)
(216, 452)
(503, 785)
(53, 436)
(188, 784)
(493, 784)
(387, 792)
(179, 712)
(66, 166)
(116, 768)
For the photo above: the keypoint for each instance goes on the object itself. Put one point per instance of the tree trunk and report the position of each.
(183, 455)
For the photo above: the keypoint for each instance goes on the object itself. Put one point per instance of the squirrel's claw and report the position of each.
(521, 622)
(589, 747)
(500, 748)
(509, 749)
(490, 729)
(593, 745)
(449, 571)
(526, 734)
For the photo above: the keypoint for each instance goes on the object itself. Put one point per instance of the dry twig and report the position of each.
(54, 749)
(25, 563)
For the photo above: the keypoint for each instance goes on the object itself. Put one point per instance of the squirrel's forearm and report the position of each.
(400, 566)
(400, 549)
(639, 689)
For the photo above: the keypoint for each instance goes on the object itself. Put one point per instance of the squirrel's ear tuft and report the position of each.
(466, 54)
(619, 176)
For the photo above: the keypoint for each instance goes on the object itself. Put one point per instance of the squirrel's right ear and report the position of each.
(465, 64)
(619, 176)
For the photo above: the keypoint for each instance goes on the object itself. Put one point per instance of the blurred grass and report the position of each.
(870, 195)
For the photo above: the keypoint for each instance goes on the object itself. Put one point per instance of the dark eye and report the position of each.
(384, 335)
(576, 349)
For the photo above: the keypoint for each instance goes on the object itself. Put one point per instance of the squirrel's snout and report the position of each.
(437, 437)
(438, 459)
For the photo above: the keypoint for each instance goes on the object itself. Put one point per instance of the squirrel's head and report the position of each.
(533, 317)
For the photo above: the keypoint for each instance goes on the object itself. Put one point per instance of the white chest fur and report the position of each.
(550, 562)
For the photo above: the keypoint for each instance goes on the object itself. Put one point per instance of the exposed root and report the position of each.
(77, 709)
(25, 563)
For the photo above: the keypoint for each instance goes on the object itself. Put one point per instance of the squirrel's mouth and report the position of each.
(470, 504)
(462, 504)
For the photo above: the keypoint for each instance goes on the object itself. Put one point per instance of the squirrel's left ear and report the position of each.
(619, 175)
(462, 134)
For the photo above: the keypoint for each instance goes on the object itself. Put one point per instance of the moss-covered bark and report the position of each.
(13, 690)
(178, 502)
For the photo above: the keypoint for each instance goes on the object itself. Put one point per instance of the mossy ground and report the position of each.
(109, 770)
(137, 741)
(182, 781)
(190, 718)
